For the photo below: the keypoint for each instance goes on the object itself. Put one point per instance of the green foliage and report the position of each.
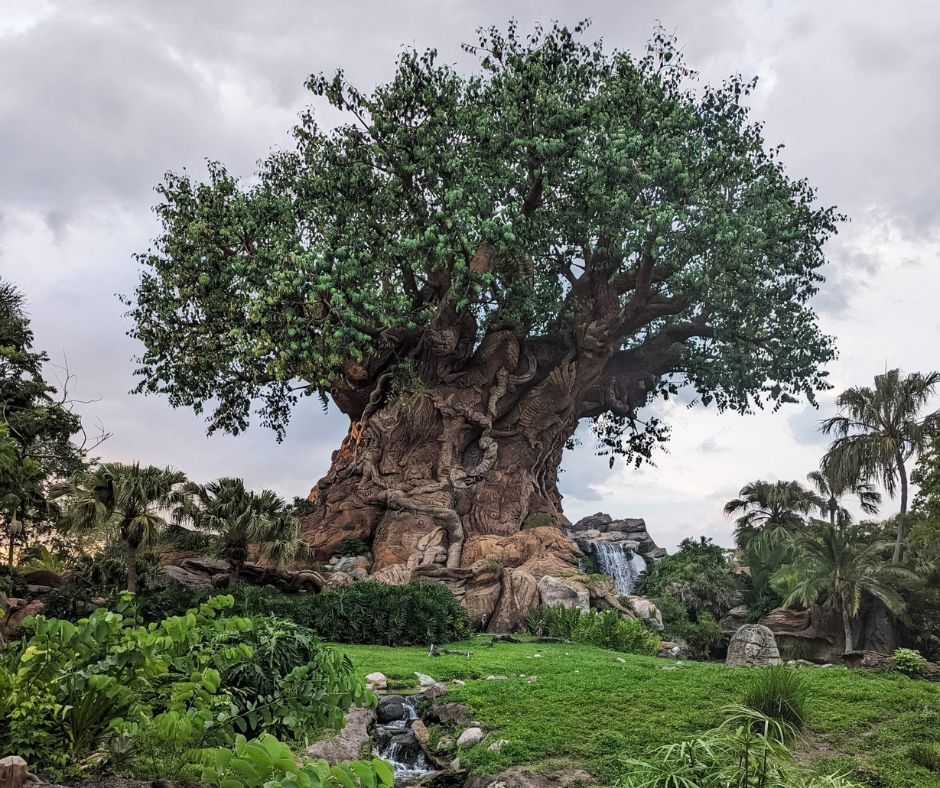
(607, 629)
(780, 693)
(11, 582)
(267, 762)
(745, 751)
(483, 201)
(417, 613)
(156, 696)
(702, 636)
(352, 545)
(771, 510)
(698, 574)
(908, 661)
(163, 601)
(926, 754)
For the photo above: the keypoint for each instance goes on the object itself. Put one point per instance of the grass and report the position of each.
(591, 707)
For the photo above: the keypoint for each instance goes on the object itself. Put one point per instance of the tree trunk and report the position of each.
(424, 472)
(847, 627)
(10, 547)
(899, 543)
(132, 569)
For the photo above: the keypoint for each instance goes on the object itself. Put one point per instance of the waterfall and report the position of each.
(396, 743)
(620, 563)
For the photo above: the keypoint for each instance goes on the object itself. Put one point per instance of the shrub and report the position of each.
(165, 601)
(11, 582)
(780, 693)
(352, 545)
(607, 629)
(702, 636)
(926, 754)
(370, 613)
(909, 662)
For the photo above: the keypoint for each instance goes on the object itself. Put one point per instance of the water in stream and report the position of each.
(396, 743)
(621, 564)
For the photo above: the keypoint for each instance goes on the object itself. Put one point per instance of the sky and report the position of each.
(101, 97)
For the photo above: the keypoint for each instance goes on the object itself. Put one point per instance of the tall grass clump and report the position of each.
(780, 693)
(926, 754)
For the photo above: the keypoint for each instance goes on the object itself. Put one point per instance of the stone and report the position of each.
(436, 690)
(349, 563)
(18, 610)
(470, 738)
(420, 730)
(497, 745)
(520, 594)
(376, 682)
(816, 633)
(424, 680)
(647, 612)
(449, 713)
(752, 644)
(520, 778)
(391, 708)
(673, 649)
(558, 591)
(394, 575)
(531, 546)
(350, 743)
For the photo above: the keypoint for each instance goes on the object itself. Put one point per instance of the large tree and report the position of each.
(470, 264)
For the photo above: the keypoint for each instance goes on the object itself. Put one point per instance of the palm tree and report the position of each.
(879, 429)
(832, 561)
(770, 509)
(235, 518)
(832, 486)
(124, 499)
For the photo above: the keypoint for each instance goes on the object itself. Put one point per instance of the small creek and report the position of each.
(395, 742)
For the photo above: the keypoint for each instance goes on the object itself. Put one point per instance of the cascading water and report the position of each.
(621, 564)
(396, 743)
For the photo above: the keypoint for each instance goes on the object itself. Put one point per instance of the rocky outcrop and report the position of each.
(646, 611)
(630, 532)
(537, 550)
(560, 591)
(205, 574)
(815, 633)
(351, 743)
(17, 610)
(752, 645)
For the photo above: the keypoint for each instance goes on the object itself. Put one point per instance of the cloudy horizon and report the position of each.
(104, 96)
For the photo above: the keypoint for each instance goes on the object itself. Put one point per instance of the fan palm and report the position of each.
(879, 429)
(832, 486)
(832, 561)
(126, 500)
(234, 518)
(770, 509)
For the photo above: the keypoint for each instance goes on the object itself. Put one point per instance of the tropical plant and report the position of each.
(771, 509)
(123, 500)
(833, 563)
(604, 629)
(747, 750)
(236, 518)
(780, 693)
(879, 429)
(908, 661)
(832, 486)
(565, 233)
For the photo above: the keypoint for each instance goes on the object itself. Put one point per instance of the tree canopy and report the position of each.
(594, 203)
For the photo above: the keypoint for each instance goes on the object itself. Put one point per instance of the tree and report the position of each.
(771, 509)
(833, 562)
(467, 266)
(36, 425)
(879, 429)
(235, 518)
(832, 487)
(123, 500)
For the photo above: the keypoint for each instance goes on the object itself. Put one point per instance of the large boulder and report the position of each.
(520, 593)
(17, 610)
(752, 644)
(816, 634)
(528, 549)
(646, 611)
(560, 591)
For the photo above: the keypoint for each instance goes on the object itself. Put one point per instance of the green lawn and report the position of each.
(592, 707)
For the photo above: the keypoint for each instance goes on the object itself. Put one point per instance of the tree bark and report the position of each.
(899, 542)
(847, 627)
(474, 453)
(132, 569)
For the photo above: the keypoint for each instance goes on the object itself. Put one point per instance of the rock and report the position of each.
(193, 580)
(376, 682)
(558, 591)
(752, 644)
(425, 680)
(43, 577)
(350, 743)
(815, 633)
(532, 546)
(519, 778)
(497, 745)
(14, 772)
(17, 611)
(403, 537)
(395, 575)
(470, 738)
(349, 563)
(359, 574)
(674, 649)
(449, 714)
(646, 611)
(520, 593)
(436, 690)
(390, 709)
(477, 587)
(339, 579)
(420, 730)
(404, 742)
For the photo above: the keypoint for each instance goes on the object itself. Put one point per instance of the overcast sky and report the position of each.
(100, 97)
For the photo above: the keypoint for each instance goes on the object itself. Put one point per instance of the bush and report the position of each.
(165, 601)
(416, 614)
(702, 636)
(11, 582)
(604, 630)
(352, 545)
(780, 693)
(926, 754)
(909, 662)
